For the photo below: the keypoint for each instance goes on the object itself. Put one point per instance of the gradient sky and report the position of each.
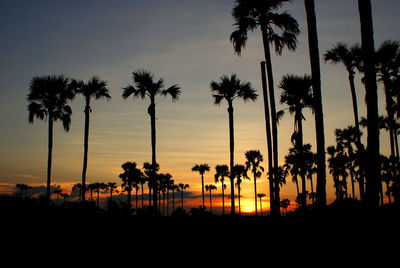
(186, 42)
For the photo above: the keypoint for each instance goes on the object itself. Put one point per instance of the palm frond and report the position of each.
(173, 91)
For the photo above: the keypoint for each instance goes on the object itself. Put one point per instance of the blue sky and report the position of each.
(186, 42)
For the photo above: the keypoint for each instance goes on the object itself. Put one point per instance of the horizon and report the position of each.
(176, 42)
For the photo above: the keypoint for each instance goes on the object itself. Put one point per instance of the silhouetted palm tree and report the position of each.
(239, 172)
(130, 175)
(79, 187)
(150, 171)
(231, 88)
(201, 169)
(146, 87)
(112, 187)
(368, 57)
(210, 188)
(174, 188)
(222, 172)
(317, 92)
(57, 191)
(285, 203)
(97, 89)
(64, 196)
(261, 195)
(254, 158)
(278, 29)
(48, 97)
(387, 63)
(182, 187)
(350, 57)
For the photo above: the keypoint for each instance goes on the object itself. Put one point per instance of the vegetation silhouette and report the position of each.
(97, 89)
(229, 89)
(209, 188)
(222, 172)
(254, 158)
(203, 168)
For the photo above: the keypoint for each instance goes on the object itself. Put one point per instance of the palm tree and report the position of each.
(222, 172)
(57, 191)
(210, 188)
(254, 158)
(387, 63)
(48, 97)
(231, 88)
(150, 171)
(261, 195)
(112, 187)
(285, 203)
(146, 87)
(97, 89)
(201, 169)
(317, 92)
(64, 196)
(240, 172)
(182, 187)
(350, 58)
(371, 98)
(79, 187)
(174, 188)
(277, 29)
(130, 175)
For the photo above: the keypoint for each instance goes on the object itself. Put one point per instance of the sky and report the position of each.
(185, 42)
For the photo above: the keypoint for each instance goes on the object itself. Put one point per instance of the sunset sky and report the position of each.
(185, 42)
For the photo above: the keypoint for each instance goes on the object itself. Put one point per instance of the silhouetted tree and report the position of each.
(210, 188)
(48, 97)
(146, 87)
(201, 169)
(239, 172)
(261, 195)
(254, 158)
(182, 187)
(285, 203)
(97, 89)
(57, 191)
(371, 98)
(222, 172)
(130, 175)
(317, 92)
(112, 187)
(278, 29)
(231, 88)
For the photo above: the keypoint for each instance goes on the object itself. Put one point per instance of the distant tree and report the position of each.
(254, 158)
(57, 191)
(112, 187)
(239, 172)
(146, 87)
(182, 187)
(203, 168)
(97, 89)
(229, 89)
(210, 188)
(222, 172)
(285, 203)
(64, 196)
(48, 100)
(260, 196)
(130, 175)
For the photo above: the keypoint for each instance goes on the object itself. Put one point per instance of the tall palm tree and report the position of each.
(387, 63)
(97, 89)
(130, 175)
(254, 158)
(277, 29)
(210, 188)
(182, 187)
(240, 172)
(371, 97)
(317, 92)
(297, 95)
(201, 169)
(231, 88)
(222, 172)
(48, 100)
(260, 196)
(146, 87)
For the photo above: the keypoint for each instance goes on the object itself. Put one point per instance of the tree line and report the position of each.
(49, 98)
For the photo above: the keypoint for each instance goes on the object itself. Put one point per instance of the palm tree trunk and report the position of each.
(268, 132)
(85, 148)
(232, 151)
(152, 112)
(260, 207)
(355, 106)
(300, 148)
(223, 198)
(50, 156)
(275, 211)
(353, 193)
(255, 193)
(312, 190)
(129, 199)
(142, 195)
(173, 200)
(202, 188)
(210, 201)
(150, 195)
(182, 198)
(368, 51)
(240, 211)
(319, 116)
(390, 115)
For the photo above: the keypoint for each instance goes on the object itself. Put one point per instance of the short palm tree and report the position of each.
(182, 188)
(96, 89)
(239, 172)
(277, 29)
(112, 187)
(222, 172)
(57, 191)
(229, 89)
(48, 100)
(254, 158)
(210, 188)
(146, 87)
(130, 175)
(203, 168)
(260, 196)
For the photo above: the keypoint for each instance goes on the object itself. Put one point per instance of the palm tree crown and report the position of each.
(230, 88)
